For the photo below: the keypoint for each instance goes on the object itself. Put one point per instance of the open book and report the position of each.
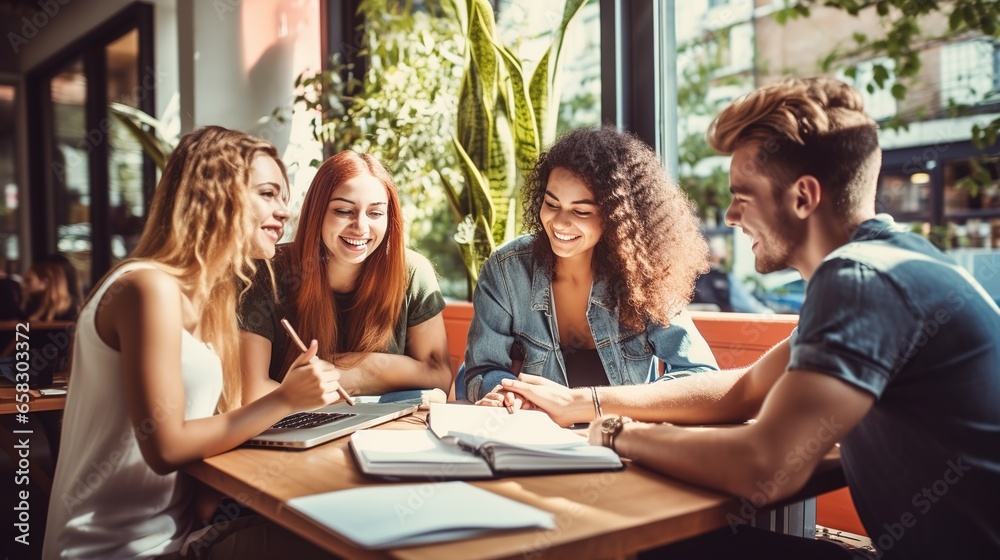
(467, 442)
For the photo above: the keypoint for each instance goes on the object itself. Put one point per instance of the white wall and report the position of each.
(244, 58)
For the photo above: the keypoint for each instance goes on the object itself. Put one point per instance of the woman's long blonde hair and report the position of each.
(200, 230)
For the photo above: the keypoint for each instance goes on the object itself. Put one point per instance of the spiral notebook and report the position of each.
(472, 442)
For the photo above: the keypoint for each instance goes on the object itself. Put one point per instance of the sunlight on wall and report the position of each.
(281, 39)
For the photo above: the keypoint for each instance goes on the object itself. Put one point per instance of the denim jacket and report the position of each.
(513, 305)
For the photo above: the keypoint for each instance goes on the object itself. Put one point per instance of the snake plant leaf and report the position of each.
(477, 191)
(477, 100)
(153, 144)
(510, 232)
(461, 10)
(454, 200)
(465, 240)
(543, 87)
(475, 243)
(523, 121)
(502, 173)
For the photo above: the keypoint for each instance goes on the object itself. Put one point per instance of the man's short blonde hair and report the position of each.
(813, 126)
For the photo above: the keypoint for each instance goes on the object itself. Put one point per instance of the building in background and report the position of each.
(933, 178)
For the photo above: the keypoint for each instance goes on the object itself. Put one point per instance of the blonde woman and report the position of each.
(156, 354)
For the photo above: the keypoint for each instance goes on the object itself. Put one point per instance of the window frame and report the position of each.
(91, 47)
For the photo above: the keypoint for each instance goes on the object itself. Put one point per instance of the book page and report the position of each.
(476, 425)
(414, 453)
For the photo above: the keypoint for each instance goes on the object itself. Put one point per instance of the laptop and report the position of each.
(303, 430)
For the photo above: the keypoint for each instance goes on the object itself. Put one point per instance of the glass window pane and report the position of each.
(125, 161)
(901, 194)
(70, 168)
(9, 255)
(965, 193)
(967, 71)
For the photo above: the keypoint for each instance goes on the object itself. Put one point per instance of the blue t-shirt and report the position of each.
(892, 315)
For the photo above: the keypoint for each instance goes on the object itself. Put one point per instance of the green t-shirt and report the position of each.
(261, 314)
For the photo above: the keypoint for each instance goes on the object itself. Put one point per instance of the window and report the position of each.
(879, 102)
(905, 196)
(89, 178)
(969, 72)
(9, 208)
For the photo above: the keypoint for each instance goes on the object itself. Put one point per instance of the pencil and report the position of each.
(298, 341)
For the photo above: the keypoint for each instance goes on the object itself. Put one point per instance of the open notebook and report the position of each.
(468, 442)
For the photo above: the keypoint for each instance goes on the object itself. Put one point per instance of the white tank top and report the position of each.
(106, 502)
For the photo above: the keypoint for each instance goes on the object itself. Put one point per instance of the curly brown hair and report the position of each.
(652, 249)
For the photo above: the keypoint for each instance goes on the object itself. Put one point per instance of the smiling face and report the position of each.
(356, 220)
(776, 233)
(570, 216)
(268, 197)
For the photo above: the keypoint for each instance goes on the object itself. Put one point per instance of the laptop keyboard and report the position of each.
(309, 420)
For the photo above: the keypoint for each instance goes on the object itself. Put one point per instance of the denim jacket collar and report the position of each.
(541, 292)
(874, 227)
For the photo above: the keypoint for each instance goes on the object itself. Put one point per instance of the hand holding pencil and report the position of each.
(298, 342)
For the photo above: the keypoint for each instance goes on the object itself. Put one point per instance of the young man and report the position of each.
(895, 356)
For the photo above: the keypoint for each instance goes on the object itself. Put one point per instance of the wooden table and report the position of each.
(38, 402)
(598, 515)
(11, 325)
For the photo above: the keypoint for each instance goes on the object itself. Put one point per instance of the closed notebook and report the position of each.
(479, 442)
(397, 515)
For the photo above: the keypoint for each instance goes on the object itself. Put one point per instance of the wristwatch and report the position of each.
(611, 427)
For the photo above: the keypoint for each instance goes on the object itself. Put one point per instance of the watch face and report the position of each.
(610, 425)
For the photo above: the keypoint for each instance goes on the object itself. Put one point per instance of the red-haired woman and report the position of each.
(348, 281)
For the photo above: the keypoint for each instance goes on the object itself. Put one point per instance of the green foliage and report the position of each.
(503, 121)
(902, 41)
(147, 130)
(398, 112)
(398, 108)
(432, 70)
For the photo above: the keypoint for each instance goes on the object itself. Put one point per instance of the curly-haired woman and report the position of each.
(594, 294)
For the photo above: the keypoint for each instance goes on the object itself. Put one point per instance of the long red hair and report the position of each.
(381, 286)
